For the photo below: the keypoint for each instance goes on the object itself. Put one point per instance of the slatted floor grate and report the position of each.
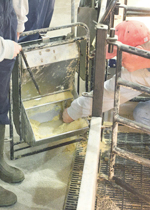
(129, 171)
(132, 173)
(76, 176)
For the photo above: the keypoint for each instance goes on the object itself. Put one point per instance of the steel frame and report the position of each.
(87, 193)
(121, 120)
(60, 42)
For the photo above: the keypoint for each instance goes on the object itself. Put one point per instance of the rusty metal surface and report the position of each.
(86, 15)
(100, 66)
(116, 118)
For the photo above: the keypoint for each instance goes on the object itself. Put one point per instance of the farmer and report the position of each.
(12, 19)
(135, 69)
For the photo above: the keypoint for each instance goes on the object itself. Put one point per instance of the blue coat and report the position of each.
(39, 16)
(8, 30)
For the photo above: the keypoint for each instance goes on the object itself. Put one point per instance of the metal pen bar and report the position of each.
(134, 86)
(131, 189)
(136, 9)
(143, 14)
(99, 73)
(131, 156)
(29, 70)
(140, 98)
(19, 99)
(116, 111)
(132, 124)
(44, 30)
(52, 44)
(125, 2)
(129, 49)
(46, 149)
(124, 11)
(102, 9)
(11, 120)
(112, 34)
(134, 50)
(108, 11)
(73, 16)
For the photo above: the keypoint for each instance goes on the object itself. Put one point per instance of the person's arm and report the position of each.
(21, 8)
(80, 107)
(8, 48)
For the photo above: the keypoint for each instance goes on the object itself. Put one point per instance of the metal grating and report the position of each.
(129, 171)
(76, 176)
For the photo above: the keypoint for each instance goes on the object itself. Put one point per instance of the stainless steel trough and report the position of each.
(53, 64)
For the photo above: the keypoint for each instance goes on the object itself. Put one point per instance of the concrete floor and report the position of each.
(46, 180)
(62, 16)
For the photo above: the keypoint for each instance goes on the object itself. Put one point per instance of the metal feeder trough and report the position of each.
(53, 65)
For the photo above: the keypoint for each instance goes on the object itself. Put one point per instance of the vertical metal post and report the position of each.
(112, 34)
(102, 9)
(124, 12)
(100, 64)
(73, 16)
(88, 188)
(108, 11)
(116, 112)
(111, 25)
(19, 83)
(87, 65)
(125, 2)
(11, 122)
(78, 79)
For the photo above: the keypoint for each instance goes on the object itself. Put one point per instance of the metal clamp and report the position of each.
(112, 35)
(45, 37)
(112, 39)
